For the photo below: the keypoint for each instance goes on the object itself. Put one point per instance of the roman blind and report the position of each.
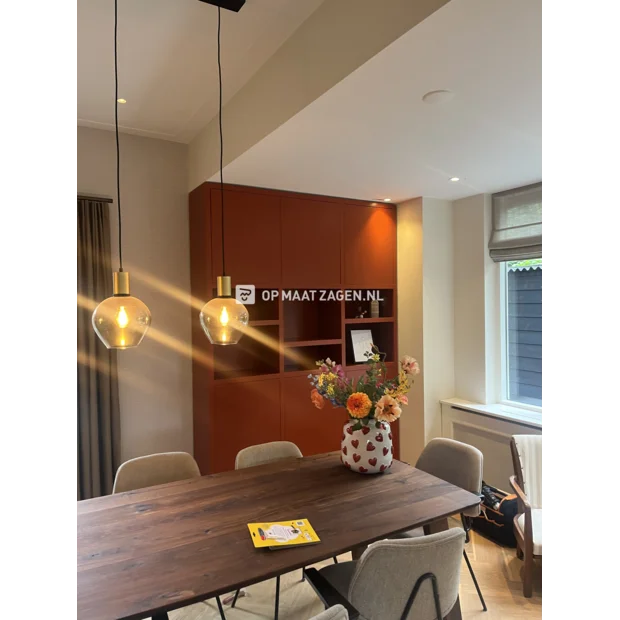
(517, 224)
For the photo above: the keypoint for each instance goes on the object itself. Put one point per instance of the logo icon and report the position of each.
(245, 293)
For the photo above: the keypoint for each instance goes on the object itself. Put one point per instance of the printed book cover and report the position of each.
(283, 534)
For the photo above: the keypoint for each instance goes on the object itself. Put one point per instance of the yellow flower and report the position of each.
(358, 405)
(330, 390)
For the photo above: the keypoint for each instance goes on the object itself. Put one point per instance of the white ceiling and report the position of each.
(371, 136)
(168, 59)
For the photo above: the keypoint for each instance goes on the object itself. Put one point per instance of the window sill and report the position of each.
(503, 412)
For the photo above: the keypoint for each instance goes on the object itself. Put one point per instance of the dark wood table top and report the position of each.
(169, 546)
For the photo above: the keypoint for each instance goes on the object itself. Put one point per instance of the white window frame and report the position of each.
(503, 327)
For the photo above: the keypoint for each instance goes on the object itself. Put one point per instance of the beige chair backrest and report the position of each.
(529, 449)
(388, 570)
(264, 453)
(337, 612)
(455, 462)
(148, 471)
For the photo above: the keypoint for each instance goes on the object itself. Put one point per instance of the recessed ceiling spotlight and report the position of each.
(454, 179)
(122, 100)
(438, 96)
(387, 200)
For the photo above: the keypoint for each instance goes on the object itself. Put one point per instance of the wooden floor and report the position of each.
(496, 568)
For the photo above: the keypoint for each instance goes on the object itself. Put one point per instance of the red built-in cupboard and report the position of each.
(258, 390)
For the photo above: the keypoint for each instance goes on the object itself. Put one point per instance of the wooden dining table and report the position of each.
(146, 552)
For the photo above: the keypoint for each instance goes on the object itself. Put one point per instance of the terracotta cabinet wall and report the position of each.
(259, 391)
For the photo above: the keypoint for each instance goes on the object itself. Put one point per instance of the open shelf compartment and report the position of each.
(255, 354)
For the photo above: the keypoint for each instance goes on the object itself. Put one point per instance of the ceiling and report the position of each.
(372, 137)
(167, 59)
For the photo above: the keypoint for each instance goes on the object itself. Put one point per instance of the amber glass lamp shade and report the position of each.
(224, 318)
(121, 321)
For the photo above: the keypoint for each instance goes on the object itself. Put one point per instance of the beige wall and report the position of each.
(438, 310)
(154, 379)
(410, 321)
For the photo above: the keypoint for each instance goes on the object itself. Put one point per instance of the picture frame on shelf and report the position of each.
(362, 342)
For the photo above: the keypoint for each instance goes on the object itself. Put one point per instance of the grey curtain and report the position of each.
(517, 224)
(98, 449)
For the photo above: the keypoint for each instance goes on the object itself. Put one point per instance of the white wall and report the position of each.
(438, 310)
(155, 380)
(475, 276)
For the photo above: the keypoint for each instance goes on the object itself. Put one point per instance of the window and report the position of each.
(522, 312)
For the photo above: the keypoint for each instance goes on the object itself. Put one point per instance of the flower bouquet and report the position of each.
(372, 401)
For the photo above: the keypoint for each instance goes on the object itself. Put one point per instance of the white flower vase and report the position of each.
(368, 450)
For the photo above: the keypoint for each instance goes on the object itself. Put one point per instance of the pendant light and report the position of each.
(224, 317)
(120, 321)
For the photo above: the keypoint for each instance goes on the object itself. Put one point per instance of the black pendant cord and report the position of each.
(219, 68)
(118, 150)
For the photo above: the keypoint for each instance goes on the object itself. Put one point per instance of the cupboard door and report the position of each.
(315, 431)
(243, 413)
(369, 247)
(252, 238)
(311, 244)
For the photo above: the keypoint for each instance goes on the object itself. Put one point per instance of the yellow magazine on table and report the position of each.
(283, 534)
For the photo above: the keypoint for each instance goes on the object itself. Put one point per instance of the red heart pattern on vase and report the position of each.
(364, 452)
(390, 436)
(392, 449)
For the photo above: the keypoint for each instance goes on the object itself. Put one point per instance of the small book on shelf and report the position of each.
(281, 534)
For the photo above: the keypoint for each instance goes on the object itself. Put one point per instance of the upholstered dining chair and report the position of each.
(527, 484)
(461, 465)
(396, 579)
(262, 454)
(154, 469)
(337, 612)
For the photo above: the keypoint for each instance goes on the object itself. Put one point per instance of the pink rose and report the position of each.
(410, 365)
(403, 399)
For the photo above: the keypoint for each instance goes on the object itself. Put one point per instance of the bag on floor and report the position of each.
(497, 512)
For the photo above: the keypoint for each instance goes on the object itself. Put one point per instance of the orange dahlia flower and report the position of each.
(317, 400)
(358, 405)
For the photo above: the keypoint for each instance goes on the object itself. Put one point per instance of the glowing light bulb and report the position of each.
(224, 318)
(122, 320)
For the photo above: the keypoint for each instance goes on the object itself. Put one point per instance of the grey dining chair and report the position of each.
(154, 469)
(262, 454)
(337, 612)
(461, 465)
(396, 579)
